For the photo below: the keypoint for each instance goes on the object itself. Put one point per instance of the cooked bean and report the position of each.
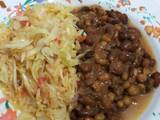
(113, 20)
(98, 86)
(141, 78)
(149, 84)
(101, 46)
(118, 16)
(125, 56)
(98, 9)
(101, 57)
(134, 33)
(88, 100)
(127, 101)
(142, 88)
(90, 78)
(85, 67)
(107, 102)
(106, 37)
(152, 63)
(125, 76)
(73, 115)
(116, 67)
(129, 46)
(133, 90)
(105, 77)
(120, 104)
(156, 78)
(85, 9)
(100, 116)
(146, 62)
(111, 96)
(126, 84)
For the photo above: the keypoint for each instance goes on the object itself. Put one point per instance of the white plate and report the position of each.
(140, 12)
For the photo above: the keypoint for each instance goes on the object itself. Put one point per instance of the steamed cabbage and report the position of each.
(38, 59)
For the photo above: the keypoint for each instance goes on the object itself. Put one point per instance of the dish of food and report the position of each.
(114, 66)
(63, 62)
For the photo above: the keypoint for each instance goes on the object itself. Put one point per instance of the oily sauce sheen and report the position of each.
(115, 69)
(140, 102)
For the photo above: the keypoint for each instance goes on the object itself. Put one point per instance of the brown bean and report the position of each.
(134, 33)
(84, 9)
(106, 37)
(90, 78)
(156, 78)
(98, 9)
(126, 56)
(98, 86)
(149, 84)
(127, 100)
(111, 96)
(107, 102)
(119, 17)
(100, 116)
(116, 67)
(101, 46)
(141, 78)
(113, 20)
(129, 46)
(125, 76)
(101, 57)
(122, 17)
(142, 88)
(85, 67)
(120, 104)
(136, 71)
(126, 84)
(105, 77)
(133, 90)
(100, 54)
(152, 62)
(73, 115)
(104, 18)
(87, 100)
(148, 62)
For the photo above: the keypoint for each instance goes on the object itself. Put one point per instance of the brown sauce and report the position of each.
(137, 109)
(141, 102)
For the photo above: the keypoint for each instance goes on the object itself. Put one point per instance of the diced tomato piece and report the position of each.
(41, 80)
(81, 38)
(25, 23)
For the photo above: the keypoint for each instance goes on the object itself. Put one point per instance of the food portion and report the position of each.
(38, 58)
(63, 63)
(114, 66)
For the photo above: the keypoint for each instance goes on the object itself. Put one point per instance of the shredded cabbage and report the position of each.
(38, 61)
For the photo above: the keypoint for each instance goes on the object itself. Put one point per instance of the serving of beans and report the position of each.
(115, 67)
